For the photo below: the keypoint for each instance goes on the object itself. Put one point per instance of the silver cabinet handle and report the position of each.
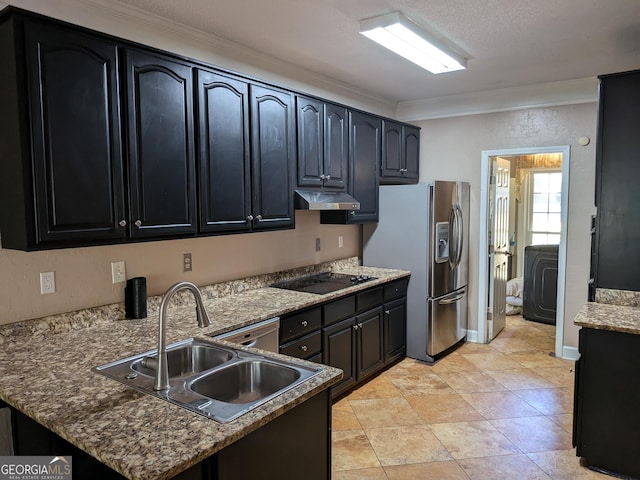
(304, 348)
(355, 327)
(359, 325)
(387, 312)
(327, 177)
(122, 223)
(249, 217)
(304, 323)
(323, 176)
(352, 212)
(138, 223)
(258, 217)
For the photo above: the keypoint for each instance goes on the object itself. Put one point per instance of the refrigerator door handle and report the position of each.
(453, 241)
(455, 220)
(460, 238)
(449, 301)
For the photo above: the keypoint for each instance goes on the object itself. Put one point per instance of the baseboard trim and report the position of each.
(472, 336)
(570, 353)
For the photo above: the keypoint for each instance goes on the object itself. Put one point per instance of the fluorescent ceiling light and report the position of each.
(400, 35)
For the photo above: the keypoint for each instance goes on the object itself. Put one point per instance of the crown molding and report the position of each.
(133, 24)
(550, 94)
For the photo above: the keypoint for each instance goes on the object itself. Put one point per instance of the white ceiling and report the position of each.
(509, 43)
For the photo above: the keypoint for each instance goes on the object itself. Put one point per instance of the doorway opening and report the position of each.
(534, 217)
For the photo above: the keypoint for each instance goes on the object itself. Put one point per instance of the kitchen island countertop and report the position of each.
(45, 372)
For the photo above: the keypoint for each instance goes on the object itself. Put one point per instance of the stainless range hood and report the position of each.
(313, 200)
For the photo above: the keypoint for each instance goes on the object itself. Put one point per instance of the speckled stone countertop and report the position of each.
(45, 372)
(609, 317)
(618, 297)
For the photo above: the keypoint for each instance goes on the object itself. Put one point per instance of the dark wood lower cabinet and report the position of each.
(361, 333)
(606, 418)
(369, 342)
(339, 347)
(293, 446)
(395, 329)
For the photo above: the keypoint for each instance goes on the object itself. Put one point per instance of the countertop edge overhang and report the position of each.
(616, 318)
(47, 376)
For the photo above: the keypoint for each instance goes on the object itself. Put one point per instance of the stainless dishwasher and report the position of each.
(263, 335)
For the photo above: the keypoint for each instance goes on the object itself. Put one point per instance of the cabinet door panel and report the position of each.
(617, 193)
(224, 162)
(395, 329)
(370, 344)
(392, 153)
(310, 142)
(73, 79)
(365, 155)
(411, 138)
(338, 350)
(272, 151)
(336, 146)
(161, 145)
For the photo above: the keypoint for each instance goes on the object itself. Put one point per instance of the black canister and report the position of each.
(135, 298)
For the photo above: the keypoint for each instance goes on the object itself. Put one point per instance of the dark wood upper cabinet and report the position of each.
(411, 139)
(400, 152)
(75, 149)
(617, 195)
(224, 161)
(272, 156)
(104, 141)
(336, 146)
(365, 148)
(162, 185)
(322, 144)
(310, 142)
(392, 153)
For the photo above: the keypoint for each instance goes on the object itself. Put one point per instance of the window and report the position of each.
(545, 223)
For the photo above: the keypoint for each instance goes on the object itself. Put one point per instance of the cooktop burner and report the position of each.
(325, 282)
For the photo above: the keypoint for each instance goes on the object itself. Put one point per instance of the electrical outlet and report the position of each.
(340, 241)
(317, 244)
(47, 283)
(187, 264)
(118, 272)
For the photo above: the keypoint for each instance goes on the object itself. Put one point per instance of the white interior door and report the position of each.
(498, 245)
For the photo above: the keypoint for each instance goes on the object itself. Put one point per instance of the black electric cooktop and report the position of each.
(325, 282)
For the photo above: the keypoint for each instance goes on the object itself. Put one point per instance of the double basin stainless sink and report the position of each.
(219, 382)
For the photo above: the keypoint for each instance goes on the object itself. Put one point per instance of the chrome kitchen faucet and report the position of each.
(159, 364)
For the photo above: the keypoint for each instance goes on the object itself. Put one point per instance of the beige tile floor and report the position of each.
(501, 411)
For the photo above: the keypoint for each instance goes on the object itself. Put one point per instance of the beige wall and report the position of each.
(83, 275)
(451, 150)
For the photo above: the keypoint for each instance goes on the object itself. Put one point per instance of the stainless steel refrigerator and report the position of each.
(425, 228)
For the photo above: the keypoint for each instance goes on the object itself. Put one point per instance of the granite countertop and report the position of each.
(45, 372)
(617, 318)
